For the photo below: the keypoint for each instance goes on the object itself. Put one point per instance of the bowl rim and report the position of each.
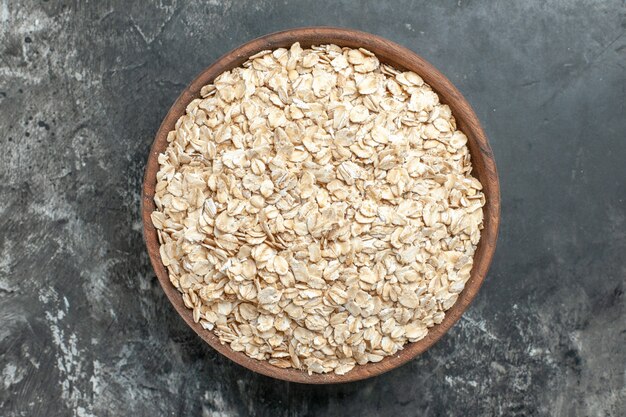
(483, 167)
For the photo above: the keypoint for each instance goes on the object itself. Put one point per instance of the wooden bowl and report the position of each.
(398, 57)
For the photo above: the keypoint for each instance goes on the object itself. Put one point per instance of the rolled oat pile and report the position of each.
(316, 208)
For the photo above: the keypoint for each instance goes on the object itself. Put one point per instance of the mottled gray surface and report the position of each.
(85, 328)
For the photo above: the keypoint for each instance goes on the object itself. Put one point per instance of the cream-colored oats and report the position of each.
(316, 208)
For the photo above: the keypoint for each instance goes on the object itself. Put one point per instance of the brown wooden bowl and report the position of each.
(398, 57)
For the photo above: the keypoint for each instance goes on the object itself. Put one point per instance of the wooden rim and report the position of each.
(484, 168)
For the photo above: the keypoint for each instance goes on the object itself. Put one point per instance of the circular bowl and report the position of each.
(484, 168)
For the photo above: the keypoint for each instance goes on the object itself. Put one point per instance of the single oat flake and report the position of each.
(316, 208)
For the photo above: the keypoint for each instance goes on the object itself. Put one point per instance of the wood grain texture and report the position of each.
(396, 56)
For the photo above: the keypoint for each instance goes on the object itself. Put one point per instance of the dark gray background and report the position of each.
(85, 328)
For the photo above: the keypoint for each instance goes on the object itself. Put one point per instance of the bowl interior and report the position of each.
(484, 169)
